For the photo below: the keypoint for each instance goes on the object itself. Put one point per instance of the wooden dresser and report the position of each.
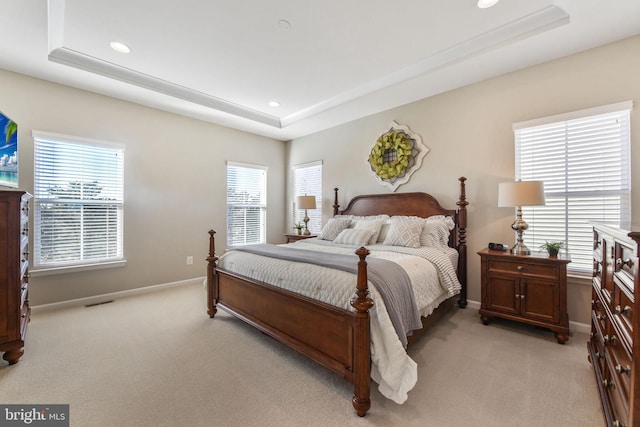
(526, 288)
(614, 324)
(14, 274)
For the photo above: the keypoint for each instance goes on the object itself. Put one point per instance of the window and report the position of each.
(308, 181)
(78, 201)
(583, 159)
(246, 204)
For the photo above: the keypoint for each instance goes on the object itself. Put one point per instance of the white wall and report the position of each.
(175, 181)
(469, 132)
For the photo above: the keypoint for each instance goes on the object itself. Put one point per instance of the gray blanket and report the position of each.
(391, 281)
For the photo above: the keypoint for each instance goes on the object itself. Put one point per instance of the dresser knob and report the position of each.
(601, 317)
(608, 384)
(23, 316)
(595, 302)
(599, 355)
(628, 262)
(520, 268)
(623, 369)
(612, 339)
(617, 423)
(624, 310)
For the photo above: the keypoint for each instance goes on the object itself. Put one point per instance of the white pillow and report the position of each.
(434, 234)
(384, 230)
(405, 231)
(375, 225)
(354, 236)
(333, 227)
(447, 220)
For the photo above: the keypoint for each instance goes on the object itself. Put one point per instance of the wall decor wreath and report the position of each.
(396, 155)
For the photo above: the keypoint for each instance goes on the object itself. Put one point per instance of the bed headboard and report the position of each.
(417, 204)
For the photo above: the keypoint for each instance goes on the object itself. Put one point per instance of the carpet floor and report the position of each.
(158, 360)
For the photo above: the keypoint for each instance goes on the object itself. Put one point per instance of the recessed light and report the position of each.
(483, 4)
(119, 47)
(274, 104)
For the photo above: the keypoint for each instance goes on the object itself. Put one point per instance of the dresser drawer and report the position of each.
(620, 368)
(626, 262)
(524, 268)
(598, 346)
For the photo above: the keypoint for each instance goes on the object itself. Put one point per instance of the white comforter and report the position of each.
(392, 368)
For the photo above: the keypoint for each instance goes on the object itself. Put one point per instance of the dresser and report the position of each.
(530, 289)
(614, 345)
(14, 273)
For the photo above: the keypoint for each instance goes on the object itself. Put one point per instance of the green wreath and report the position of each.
(395, 141)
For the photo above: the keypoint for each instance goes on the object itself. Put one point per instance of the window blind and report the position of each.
(308, 181)
(584, 163)
(78, 201)
(246, 204)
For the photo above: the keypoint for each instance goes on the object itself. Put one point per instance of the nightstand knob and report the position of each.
(623, 369)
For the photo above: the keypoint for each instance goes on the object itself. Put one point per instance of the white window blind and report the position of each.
(78, 201)
(584, 163)
(246, 204)
(308, 181)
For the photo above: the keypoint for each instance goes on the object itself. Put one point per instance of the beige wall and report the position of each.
(174, 181)
(469, 132)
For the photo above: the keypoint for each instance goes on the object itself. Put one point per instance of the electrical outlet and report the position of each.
(189, 260)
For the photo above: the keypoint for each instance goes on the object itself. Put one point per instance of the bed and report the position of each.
(355, 337)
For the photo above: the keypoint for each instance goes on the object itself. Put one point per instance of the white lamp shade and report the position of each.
(521, 193)
(306, 202)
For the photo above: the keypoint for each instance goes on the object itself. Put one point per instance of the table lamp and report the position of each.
(306, 202)
(518, 194)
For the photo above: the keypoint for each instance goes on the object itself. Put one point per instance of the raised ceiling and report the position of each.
(326, 62)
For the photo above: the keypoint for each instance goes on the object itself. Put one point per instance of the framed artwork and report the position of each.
(8, 152)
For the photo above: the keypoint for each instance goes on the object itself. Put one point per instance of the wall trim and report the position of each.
(97, 299)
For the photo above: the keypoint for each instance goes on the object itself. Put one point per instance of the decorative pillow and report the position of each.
(354, 236)
(375, 225)
(384, 230)
(333, 227)
(435, 234)
(447, 220)
(405, 231)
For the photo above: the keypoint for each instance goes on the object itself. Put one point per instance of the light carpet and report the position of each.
(159, 360)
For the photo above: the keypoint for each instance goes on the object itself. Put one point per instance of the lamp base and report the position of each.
(520, 249)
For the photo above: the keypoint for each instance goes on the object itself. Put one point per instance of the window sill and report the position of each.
(76, 268)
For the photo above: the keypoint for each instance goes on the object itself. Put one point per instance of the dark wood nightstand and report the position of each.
(295, 237)
(530, 289)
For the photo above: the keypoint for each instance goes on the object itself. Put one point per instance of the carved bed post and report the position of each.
(336, 206)
(462, 242)
(212, 277)
(362, 352)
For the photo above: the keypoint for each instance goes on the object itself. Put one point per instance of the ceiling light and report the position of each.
(119, 47)
(483, 4)
(274, 104)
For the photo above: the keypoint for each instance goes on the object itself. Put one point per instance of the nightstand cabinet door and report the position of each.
(503, 295)
(540, 300)
(528, 289)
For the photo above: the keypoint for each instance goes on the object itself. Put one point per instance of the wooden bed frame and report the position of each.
(336, 338)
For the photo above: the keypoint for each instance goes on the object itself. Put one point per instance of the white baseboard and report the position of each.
(97, 299)
(582, 328)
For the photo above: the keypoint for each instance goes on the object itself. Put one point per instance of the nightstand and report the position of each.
(530, 289)
(295, 237)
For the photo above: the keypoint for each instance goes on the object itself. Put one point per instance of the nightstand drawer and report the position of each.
(524, 268)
